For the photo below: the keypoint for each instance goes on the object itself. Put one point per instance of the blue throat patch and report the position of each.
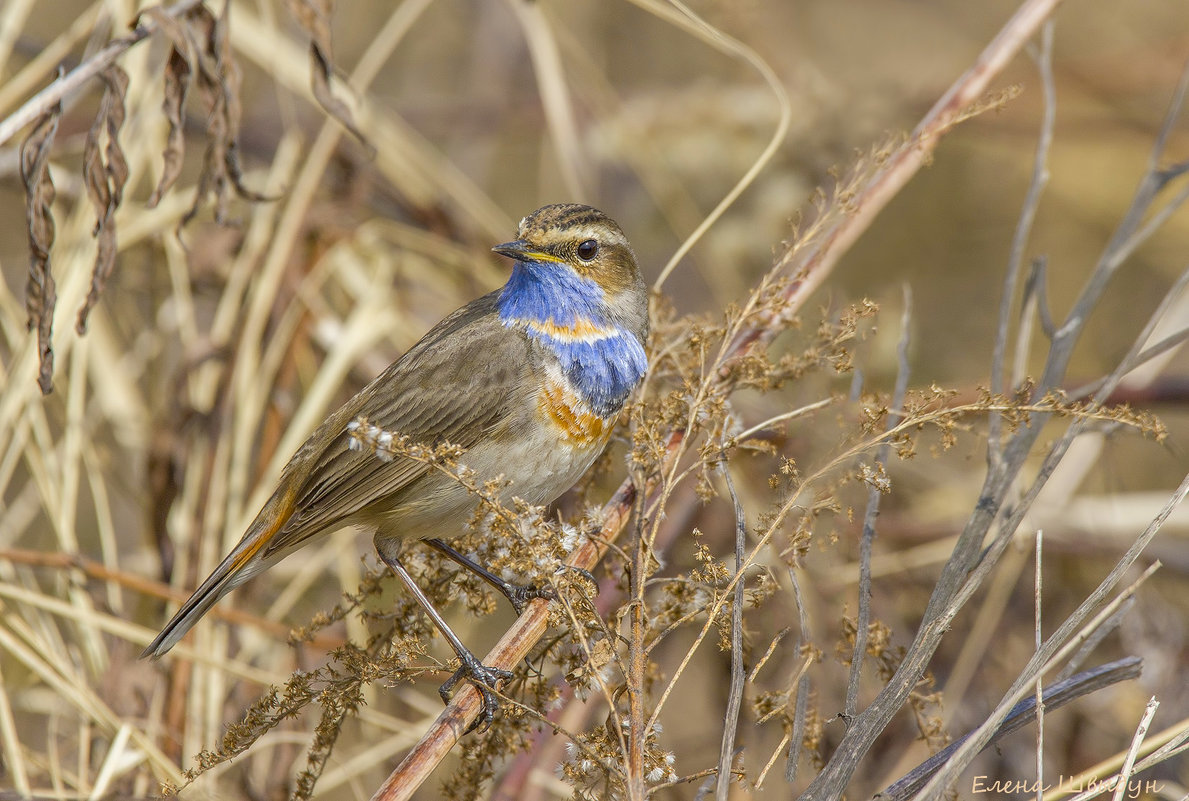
(604, 372)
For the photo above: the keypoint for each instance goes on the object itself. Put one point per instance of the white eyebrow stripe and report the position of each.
(604, 236)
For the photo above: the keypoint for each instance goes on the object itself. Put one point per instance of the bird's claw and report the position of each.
(519, 595)
(484, 678)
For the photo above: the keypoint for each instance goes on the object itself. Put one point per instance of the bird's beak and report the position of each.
(522, 251)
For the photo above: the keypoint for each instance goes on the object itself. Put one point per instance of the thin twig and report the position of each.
(801, 708)
(1139, 354)
(726, 754)
(1141, 731)
(1038, 632)
(1132, 230)
(1040, 179)
(779, 418)
(1094, 640)
(1175, 741)
(874, 494)
(637, 659)
(681, 15)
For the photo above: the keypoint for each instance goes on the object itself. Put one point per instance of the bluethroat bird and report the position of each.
(528, 379)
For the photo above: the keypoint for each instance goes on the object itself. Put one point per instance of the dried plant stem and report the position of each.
(1040, 179)
(1141, 732)
(682, 16)
(812, 268)
(1054, 697)
(1166, 744)
(874, 494)
(726, 753)
(800, 681)
(637, 663)
(1038, 618)
(53, 94)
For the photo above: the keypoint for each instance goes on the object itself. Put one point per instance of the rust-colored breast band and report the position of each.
(581, 427)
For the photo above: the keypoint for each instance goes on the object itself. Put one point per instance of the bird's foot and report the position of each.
(519, 595)
(485, 679)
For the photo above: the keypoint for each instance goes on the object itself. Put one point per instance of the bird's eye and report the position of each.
(588, 249)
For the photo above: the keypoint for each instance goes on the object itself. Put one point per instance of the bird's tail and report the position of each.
(245, 560)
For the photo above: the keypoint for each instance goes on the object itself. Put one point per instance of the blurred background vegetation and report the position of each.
(156, 445)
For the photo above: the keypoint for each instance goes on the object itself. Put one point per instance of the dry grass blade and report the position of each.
(879, 486)
(105, 175)
(1024, 225)
(40, 294)
(679, 14)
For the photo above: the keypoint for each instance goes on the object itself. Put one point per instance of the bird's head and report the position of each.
(574, 263)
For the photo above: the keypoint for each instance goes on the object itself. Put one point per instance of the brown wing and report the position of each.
(454, 385)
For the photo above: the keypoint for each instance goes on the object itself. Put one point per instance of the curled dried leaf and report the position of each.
(179, 72)
(105, 171)
(40, 294)
(320, 72)
(201, 56)
(218, 79)
(314, 18)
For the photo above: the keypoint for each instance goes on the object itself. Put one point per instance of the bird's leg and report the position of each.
(484, 677)
(517, 594)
